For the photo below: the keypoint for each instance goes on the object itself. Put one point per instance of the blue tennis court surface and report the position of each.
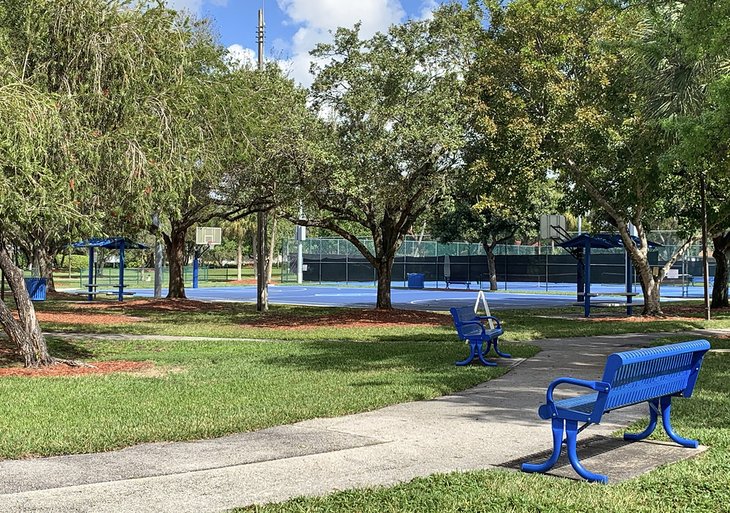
(364, 297)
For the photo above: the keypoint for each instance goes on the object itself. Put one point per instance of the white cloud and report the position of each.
(427, 8)
(329, 14)
(317, 18)
(192, 6)
(238, 56)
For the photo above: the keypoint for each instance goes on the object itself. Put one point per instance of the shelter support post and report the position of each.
(587, 279)
(91, 281)
(121, 272)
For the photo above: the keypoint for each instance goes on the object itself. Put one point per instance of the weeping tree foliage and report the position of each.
(395, 121)
(94, 131)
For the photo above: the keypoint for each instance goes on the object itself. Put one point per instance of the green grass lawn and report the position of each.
(698, 485)
(208, 389)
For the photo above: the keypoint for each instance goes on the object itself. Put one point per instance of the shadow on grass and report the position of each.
(58, 348)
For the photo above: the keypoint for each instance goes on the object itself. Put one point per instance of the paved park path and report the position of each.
(483, 427)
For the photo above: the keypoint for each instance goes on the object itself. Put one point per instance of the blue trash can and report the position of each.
(36, 288)
(416, 280)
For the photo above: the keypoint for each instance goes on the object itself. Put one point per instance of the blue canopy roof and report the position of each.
(602, 241)
(109, 243)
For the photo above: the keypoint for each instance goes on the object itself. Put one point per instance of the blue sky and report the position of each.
(294, 27)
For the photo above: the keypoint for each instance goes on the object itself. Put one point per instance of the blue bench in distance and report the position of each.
(652, 375)
(472, 328)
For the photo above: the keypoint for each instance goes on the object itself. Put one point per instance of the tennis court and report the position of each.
(364, 297)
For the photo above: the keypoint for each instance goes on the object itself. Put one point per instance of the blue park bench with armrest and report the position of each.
(471, 327)
(652, 375)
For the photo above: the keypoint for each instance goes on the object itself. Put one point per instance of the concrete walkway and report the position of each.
(483, 427)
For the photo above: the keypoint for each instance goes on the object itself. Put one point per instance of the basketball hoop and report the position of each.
(208, 236)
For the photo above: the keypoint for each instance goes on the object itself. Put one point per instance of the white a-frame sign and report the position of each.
(483, 299)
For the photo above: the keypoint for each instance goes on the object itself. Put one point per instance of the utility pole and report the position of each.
(262, 286)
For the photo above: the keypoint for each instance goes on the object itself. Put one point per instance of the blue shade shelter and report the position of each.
(580, 247)
(118, 243)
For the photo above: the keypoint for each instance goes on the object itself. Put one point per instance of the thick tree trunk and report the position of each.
(720, 286)
(649, 283)
(24, 333)
(491, 266)
(175, 248)
(384, 271)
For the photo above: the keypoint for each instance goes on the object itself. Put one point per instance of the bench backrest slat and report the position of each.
(462, 315)
(467, 314)
(643, 374)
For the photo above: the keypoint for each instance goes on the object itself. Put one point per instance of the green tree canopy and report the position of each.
(393, 111)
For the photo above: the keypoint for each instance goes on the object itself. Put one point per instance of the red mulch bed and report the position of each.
(354, 318)
(635, 318)
(85, 318)
(62, 369)
(155, 305)
(350, 318)
(672, 312)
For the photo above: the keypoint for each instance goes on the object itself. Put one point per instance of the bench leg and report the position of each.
(666, 405)
(475, 351)
(558, 429)
(495, 344)
(571, 428)
(653, 409)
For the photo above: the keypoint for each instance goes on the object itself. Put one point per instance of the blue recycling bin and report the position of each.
(36, 288)
(416, 280)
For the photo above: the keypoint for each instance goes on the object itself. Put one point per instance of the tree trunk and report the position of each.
(43, 262)
(255, 248)
(649, 283)
(272, 246)
(720, 286)
(25, 333)
(491, 265)
(239, 258)
(384, 270)
(175, 248)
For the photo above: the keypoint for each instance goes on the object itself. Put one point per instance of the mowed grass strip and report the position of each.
(698, 485)
(208, 389)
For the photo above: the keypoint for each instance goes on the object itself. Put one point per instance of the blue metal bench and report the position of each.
(461, 282)
(653, 375)
(471, 327)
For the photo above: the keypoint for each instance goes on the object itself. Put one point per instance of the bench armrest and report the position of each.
(598, 386)
(487, 317)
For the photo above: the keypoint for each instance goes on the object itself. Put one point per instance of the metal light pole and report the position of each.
(262, 286)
